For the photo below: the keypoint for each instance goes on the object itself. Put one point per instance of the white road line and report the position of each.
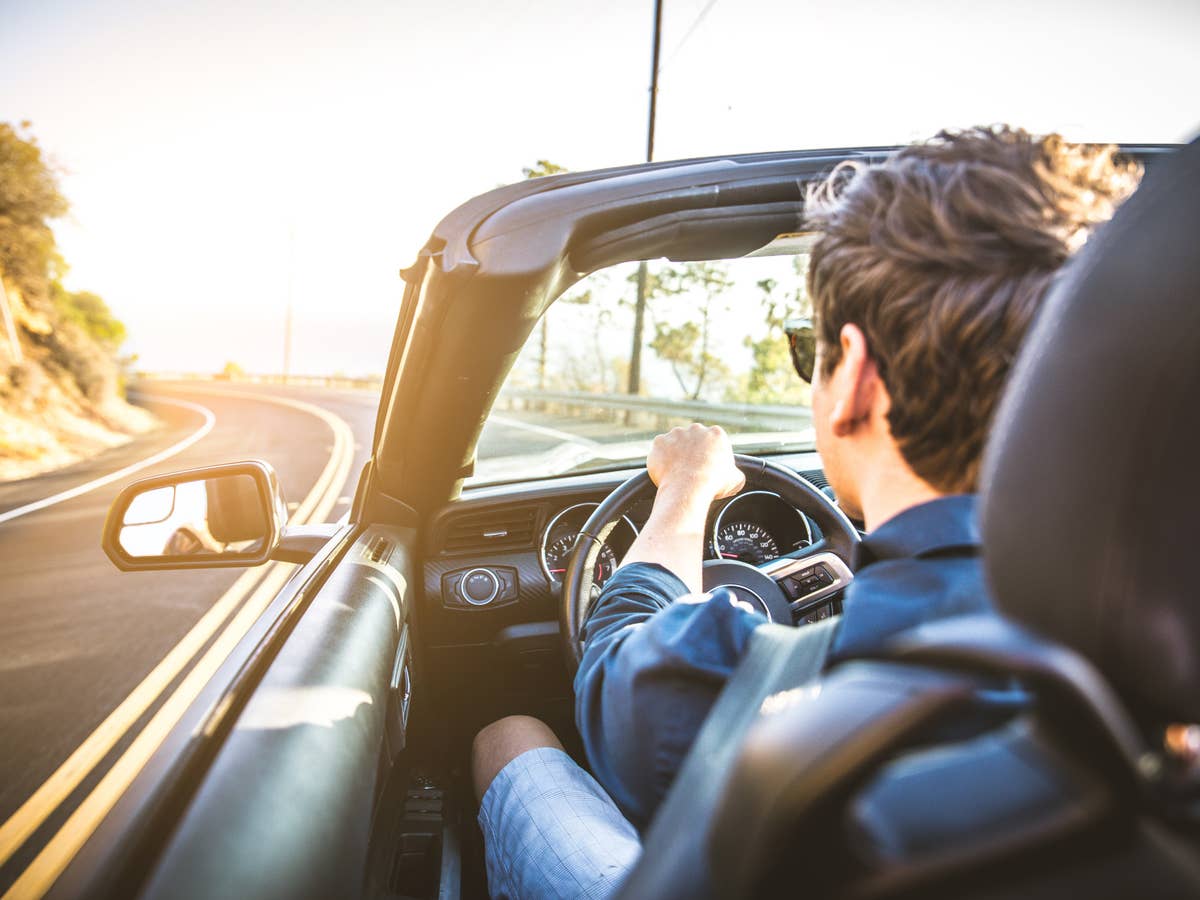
(209, 421)
(543, 430)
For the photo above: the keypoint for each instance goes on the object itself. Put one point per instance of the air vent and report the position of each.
(817, 477)
(502, 529)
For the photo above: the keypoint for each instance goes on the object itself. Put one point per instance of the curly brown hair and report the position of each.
(941, 255)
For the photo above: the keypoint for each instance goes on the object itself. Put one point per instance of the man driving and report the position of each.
(928, 269)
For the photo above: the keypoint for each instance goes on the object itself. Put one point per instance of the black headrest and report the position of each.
(235, 510)
(1091, 481)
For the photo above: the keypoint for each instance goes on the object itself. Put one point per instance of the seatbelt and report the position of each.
(777, 658)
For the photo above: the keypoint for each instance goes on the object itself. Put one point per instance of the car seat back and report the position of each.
(1091, 482)
(859, 789)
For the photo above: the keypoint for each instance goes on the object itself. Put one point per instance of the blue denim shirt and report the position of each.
(655, 659)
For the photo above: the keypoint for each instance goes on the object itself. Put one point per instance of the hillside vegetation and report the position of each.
(61, 387)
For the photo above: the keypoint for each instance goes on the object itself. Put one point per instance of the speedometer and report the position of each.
(746, 542)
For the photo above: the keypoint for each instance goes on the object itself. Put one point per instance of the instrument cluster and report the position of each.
(753, 527)
(757, 526)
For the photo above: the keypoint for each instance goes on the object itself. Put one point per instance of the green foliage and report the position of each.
(91, 313)
(687, 304)
(232, 370)
(29, 198)
(771, 378)
(83, 334)
(685, 346)
(543, 167)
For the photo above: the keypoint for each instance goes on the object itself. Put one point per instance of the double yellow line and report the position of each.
(58, 852)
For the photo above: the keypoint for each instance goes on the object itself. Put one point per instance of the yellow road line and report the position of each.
(58, 852)
(41, 874)
(55, 789)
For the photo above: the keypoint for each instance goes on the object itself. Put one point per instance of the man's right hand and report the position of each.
(695, 463)
(692, 467)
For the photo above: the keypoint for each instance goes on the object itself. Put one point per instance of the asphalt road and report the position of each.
(79, 641)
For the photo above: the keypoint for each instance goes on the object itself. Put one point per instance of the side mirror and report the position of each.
(221, 516)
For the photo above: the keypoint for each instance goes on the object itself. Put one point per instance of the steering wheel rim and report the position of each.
(839, 537)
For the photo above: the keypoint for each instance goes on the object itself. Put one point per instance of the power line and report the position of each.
(688, 34)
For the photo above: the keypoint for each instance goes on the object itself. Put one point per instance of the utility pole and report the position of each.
(639, 314)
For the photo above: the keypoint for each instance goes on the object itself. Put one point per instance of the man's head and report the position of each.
(926, 275)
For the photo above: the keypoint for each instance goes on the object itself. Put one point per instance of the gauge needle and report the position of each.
(557, 571)
(730, 555)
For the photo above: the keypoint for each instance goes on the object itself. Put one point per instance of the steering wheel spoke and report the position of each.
(809, 578)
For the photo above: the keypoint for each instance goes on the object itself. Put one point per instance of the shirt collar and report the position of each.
(936, 525)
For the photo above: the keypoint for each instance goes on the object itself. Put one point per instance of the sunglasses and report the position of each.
(802, 342)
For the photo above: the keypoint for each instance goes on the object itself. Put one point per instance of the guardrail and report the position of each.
(742, 416)
(653, 412)
(335, 381)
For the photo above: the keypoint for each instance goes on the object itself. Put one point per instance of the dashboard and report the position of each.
(495, 559)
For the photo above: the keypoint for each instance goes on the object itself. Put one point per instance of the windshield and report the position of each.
(585, 396)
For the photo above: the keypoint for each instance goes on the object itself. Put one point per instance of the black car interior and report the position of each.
(337, 763)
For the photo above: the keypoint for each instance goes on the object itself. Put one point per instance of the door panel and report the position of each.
(287, 805)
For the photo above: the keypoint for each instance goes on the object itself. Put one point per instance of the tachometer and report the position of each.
(558, 540)
(559, 552)
(747, 542)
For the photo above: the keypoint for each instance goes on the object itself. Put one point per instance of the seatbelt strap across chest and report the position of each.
(778, 658)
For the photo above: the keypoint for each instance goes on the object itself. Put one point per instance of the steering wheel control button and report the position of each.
(479, 587)
(810, 580)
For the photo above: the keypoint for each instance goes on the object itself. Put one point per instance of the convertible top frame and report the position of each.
(505, 256)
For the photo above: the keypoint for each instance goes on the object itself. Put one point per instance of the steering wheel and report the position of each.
(781, 589)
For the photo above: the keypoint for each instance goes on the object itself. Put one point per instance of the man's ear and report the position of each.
(857, 381)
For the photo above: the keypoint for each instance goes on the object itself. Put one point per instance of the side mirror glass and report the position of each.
(230, 515)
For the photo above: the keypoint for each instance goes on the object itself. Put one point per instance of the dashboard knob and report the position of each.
(479, 587)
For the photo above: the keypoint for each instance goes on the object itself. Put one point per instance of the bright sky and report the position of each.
(198, 135)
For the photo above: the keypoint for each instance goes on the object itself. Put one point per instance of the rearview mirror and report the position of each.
(231, 515)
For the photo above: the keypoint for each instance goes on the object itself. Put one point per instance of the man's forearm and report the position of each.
(673, 536)
(641, 692)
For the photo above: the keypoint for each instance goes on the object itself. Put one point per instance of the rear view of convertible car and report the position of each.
(328, 756)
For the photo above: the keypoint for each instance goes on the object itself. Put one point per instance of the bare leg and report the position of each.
(503, 741)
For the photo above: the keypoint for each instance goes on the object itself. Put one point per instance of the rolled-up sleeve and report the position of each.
(654, 660)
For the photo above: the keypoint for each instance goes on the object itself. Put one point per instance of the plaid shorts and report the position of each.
(550, 830)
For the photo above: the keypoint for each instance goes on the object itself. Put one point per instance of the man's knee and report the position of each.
(504, 740)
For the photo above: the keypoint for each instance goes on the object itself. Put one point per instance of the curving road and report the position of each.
(88, 655)
(77, 637)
